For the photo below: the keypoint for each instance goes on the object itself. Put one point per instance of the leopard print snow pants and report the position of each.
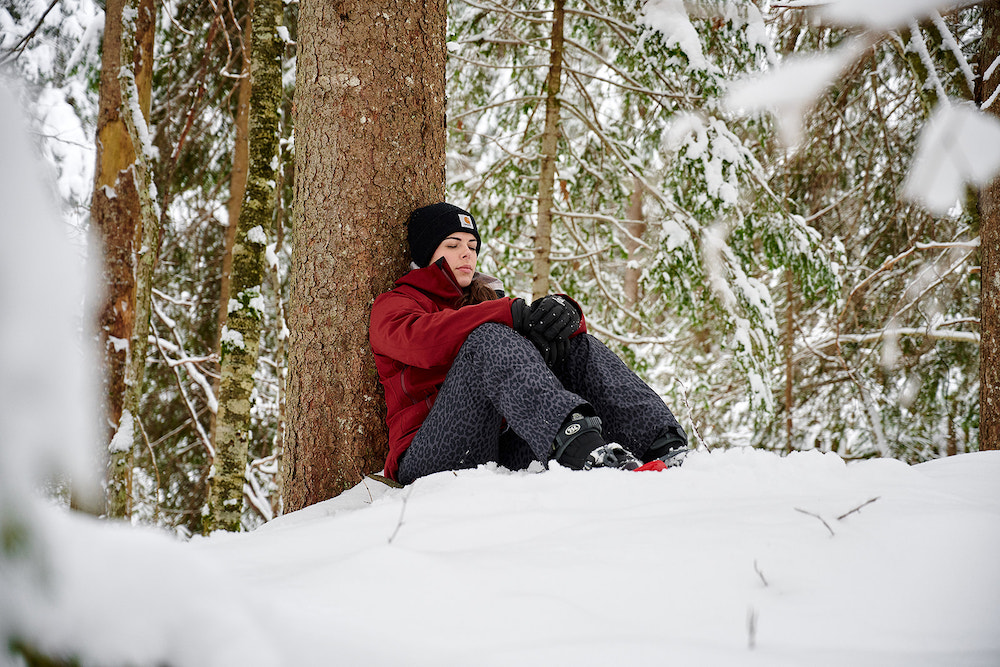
(499, 376)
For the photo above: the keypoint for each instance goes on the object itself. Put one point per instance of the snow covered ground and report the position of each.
(740, 557)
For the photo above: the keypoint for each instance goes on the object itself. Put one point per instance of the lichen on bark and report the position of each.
(243, 324)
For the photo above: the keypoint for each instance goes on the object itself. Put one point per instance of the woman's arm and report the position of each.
(402, 329)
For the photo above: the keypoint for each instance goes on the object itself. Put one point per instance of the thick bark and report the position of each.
(241, 337)
(989, 235)
(542, 263)
(115, 211)
(369, 148)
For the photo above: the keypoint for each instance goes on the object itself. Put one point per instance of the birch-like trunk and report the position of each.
(369, 148)
(116, 213)
(542, 262)
(241, 335)
(989, 250)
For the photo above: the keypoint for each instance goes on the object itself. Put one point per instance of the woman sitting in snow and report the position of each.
(471, 376)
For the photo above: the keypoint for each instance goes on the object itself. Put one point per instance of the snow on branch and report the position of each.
(949, 41)
(919, 46)
(930, 332)
(670, 18)
(879, 15)
(958, 145)
(185, 360)
(790, 89)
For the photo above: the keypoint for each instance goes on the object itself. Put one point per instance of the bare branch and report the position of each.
(526, 98)
(202, 435)
(694, 425)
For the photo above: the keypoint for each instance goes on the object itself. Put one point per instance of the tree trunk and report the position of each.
(281, 335)
(789, 363)
(542, 264)
(130, 425)
(370, 147)
(237, 190)
(636, 228)
(241, 335)
(115, 216)
(989, 249)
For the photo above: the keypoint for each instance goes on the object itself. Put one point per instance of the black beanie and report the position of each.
(429, 225)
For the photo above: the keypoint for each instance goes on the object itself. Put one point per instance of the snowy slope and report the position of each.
(493, 568)
(489, 567)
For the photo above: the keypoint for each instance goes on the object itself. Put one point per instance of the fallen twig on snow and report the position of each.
(797, 509)
(858, 508)
(759, 573)
(751, 627)
(402, 511)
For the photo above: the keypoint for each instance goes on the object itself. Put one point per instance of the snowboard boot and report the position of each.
(611, 455)
(670, 448)
(579, 445)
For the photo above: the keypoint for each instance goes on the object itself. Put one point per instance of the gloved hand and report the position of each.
(553, 318)
(520, 313)
(552, 351)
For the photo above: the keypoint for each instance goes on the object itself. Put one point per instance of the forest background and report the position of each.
(786, 282)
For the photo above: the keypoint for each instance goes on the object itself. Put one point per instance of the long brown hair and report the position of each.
(477, 292)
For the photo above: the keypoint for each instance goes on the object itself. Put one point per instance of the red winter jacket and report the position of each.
(416, 333)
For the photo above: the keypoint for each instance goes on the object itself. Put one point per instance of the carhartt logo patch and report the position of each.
(466, 221)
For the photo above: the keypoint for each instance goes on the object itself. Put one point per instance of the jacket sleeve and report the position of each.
(402, 329)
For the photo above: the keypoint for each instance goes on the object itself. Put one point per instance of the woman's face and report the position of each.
(459, 250)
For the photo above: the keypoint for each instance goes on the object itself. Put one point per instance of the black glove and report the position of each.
(552, 352)
(553, 317)
(520, 314)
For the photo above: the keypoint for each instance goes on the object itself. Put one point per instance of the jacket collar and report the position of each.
(435, 279)
(438, 280)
